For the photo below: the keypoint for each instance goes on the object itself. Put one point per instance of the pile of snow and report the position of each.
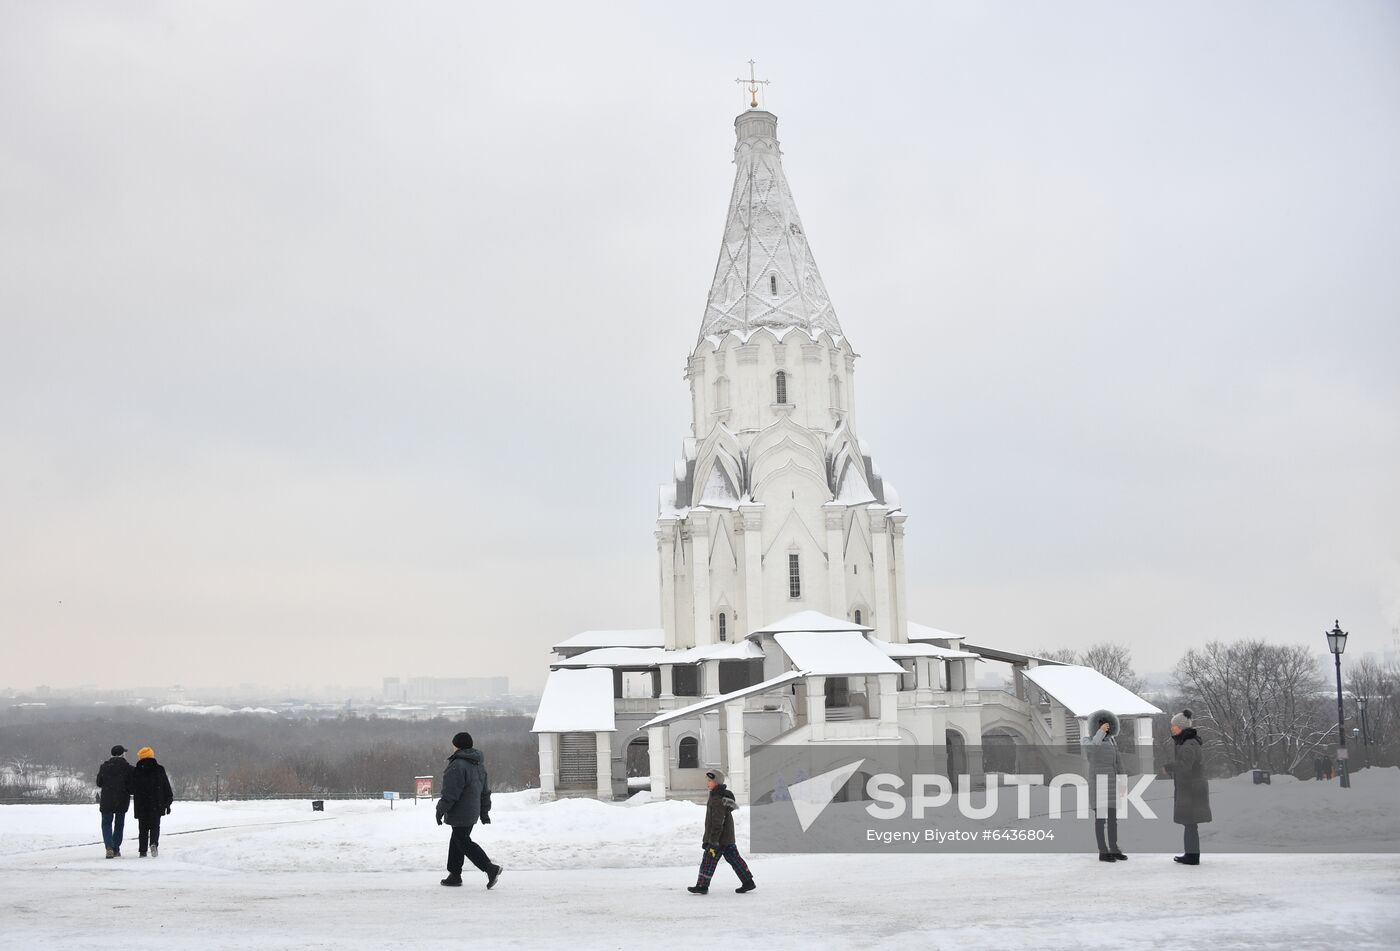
(368, 836)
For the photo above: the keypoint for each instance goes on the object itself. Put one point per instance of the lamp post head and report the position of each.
(1336, 638)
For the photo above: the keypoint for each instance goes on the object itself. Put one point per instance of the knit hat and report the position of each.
(146, 753)
(463, 740)
(118, 750)
(716, 774)
(1182, 721)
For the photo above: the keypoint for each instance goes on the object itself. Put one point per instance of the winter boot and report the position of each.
(1106, 857)
(111, 853)
(452, 881)
(746, 887)
(140, 855)
(494, 876)
(155, 851)
(699, 889)
(1118, 856)
(1188, 859)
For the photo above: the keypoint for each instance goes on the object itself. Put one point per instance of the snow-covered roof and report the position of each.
(920, 650)
(694, 708)
(835, 652)
(922, 632)
(1083, 690)
(811, 621)
(576, 701)
(1010, 656)
(716, 340)
(646, 637)
(652, 656)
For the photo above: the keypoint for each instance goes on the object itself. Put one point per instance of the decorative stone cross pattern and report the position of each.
(753, 84)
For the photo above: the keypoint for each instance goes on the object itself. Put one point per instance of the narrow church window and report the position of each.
(773, 284)
(723, 632)
(857, 615)
(689, 753)
(794, 576)
(782, 386)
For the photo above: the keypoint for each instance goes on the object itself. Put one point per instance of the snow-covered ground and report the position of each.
(583, 874)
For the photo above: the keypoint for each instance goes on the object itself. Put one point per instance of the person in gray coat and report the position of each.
(1101, 750)
(466, 797)
(1188, 772)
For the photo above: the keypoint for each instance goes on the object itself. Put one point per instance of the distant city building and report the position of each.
(444, 689)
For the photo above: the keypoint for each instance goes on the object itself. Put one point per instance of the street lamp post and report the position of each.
(1336, 643)
(1365, 730)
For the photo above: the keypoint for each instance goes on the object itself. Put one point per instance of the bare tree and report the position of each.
(255, 781)
(1114, 661)
(1263, 704)
(1379, 685)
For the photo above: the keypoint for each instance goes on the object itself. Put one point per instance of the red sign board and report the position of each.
(423, 787)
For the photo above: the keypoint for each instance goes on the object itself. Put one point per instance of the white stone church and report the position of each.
(780, 546)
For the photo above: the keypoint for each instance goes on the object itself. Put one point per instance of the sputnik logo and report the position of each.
(811, 796)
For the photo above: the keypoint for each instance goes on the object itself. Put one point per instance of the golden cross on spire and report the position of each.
(753, 85)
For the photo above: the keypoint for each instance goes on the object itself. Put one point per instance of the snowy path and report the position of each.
(366, 878)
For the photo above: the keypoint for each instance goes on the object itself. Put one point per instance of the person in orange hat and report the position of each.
(151, 795)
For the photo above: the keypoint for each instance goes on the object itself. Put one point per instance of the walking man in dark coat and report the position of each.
(1101, 750)
(1187, 769)
(719, 838)
(466, 797)
(151, 797)
(113, 799)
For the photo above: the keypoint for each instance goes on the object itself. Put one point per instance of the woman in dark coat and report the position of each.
(1101, 750)
(151, 796)
(1187, 769)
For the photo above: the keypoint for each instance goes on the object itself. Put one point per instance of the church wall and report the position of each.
(749, 373)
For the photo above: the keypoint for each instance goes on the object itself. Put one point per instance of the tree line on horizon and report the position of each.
(53, 754)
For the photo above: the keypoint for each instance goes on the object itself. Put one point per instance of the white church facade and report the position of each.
(780, 548)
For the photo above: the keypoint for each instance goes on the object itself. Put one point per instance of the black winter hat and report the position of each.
(118, 750)
(463, 740)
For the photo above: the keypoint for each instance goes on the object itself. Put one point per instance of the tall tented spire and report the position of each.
(766, 276)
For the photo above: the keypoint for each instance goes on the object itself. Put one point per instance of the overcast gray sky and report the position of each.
(342, 340)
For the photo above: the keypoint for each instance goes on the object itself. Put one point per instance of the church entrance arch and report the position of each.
(638, 757)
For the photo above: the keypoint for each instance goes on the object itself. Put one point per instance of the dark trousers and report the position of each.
(710, 862)
(149, 834)
(113, 824)
(462, 847)
(1109, 821)
(1192, 838)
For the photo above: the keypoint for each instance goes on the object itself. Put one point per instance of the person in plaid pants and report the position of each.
(719, 838)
